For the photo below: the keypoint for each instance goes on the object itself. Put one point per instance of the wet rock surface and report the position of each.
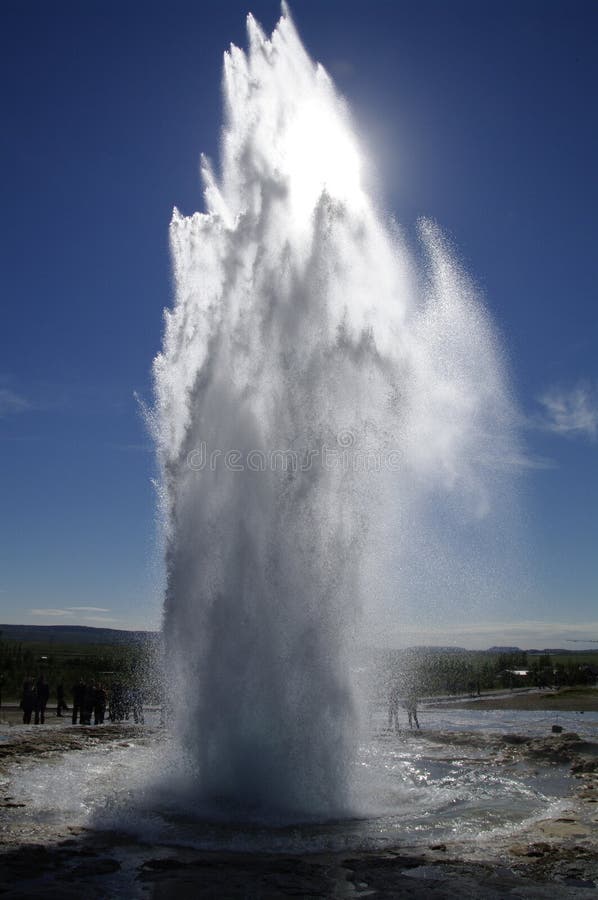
(555, 857)
(110, 865)
(42, 742)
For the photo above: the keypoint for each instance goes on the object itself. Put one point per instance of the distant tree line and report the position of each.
(437, 672)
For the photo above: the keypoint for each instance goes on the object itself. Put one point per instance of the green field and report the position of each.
(133, 664)
(581, 657)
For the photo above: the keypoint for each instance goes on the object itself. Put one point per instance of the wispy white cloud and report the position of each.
(48, 612)
(571, 412)
(100, 609)
(11, 402)
(68, 610)
(525, 460)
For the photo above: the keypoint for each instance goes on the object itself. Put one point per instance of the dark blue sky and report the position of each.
(481, 115)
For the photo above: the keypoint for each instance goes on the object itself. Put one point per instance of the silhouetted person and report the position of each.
(87, 705)
(116, 713)
(60, 701)
(136, 698)
(162, 701)
(99, 704)
(79, 702)
(411, 707)
(43, 695)
(393, 707)
(28, 700)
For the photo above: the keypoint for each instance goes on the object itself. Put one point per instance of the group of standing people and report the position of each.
(89, 701)
(125, 702)
(93, 699)
(35, 699)
(409, 704)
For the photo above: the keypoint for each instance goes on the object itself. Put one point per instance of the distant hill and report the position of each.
(84, 634)
(74, 634)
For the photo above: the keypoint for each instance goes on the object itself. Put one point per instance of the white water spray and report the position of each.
(317, 395)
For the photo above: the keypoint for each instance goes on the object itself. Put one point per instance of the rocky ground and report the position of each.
(557, 857)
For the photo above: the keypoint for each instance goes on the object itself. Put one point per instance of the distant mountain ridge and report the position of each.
(74, 634)
(87, 634)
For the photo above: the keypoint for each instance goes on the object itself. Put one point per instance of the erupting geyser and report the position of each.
(315, 394)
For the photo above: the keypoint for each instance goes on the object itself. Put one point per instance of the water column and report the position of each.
(317, 395)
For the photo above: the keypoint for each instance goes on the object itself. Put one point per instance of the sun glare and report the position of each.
(321, 155)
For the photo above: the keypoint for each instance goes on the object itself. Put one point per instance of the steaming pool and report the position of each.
(415, 788)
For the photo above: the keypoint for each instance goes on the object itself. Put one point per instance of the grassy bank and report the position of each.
(577, 699)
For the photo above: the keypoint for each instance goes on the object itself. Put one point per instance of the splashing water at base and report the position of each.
(419, 790)
(333, 425)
